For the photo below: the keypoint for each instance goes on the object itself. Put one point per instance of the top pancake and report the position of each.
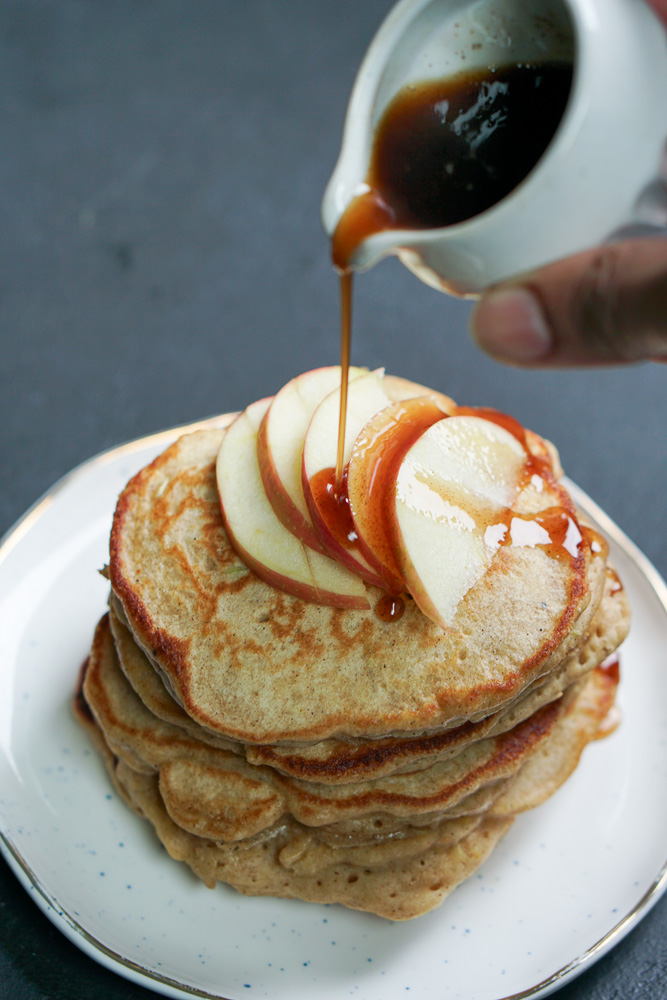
(254, 664)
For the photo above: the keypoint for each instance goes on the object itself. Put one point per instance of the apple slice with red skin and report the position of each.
(453, 490)
(327, 505)
(280, 447)
(371, 476)
(261, 540)
(329, 510)
(399, 388)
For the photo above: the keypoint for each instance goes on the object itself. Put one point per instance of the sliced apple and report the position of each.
(452, 493)
(330, 513)
(260, 539)
(280, 447)
(376, 456)
(398, 388)
(329, 509)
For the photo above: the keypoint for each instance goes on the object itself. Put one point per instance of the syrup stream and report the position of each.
(345, 329)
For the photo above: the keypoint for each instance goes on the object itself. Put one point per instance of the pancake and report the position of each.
(255, 665)
(149, 687)
(339, 761)
(401, 889)
(551, 765)
(291, 749)
(213, 792)
(395, 876)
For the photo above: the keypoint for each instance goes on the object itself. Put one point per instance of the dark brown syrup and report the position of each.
(535, 465)
(554, 530)
(332, 501)
(446, 150)
(390, 607)
(612, 667)
(345, 338)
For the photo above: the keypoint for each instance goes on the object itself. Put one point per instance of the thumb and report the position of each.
(660, 7)
(607, 305)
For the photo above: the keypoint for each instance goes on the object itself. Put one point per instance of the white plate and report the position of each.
(566, 884)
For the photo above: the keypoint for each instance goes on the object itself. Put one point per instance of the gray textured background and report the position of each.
(161, 260)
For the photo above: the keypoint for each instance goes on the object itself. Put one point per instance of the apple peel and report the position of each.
(372, 470)
(280, 447)
(259, 537)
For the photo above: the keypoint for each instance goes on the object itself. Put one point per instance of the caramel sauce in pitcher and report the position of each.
(446, 150)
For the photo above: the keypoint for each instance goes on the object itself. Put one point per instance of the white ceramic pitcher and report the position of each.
(601, 172)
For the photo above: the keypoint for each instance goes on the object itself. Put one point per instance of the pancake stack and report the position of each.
(292, 749)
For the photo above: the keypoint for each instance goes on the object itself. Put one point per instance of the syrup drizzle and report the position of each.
(390, 607)
(444, 151)
(345, 337)
(612, 720)
(553, 530)
(381, 448)
(333, 502)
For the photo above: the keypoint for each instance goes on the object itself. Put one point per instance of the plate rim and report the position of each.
(122, 965)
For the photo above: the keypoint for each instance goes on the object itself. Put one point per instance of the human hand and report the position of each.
(605, 305)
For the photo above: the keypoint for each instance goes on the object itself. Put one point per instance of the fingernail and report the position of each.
(509, 324)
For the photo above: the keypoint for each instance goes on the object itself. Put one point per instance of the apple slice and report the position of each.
(376, 456)
(260, 539)
(452, 493)
(398, 388)
(329, 512)
(367, 395)
(280, 447)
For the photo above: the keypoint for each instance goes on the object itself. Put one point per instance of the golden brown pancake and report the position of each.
(297, 750)
(148, 685)
(215, 793)
(265, 864)
(256, 665)
(409, 880)
(552, 764)
(340, 761)
(218, 791)
(399, 874)
(399, 891)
